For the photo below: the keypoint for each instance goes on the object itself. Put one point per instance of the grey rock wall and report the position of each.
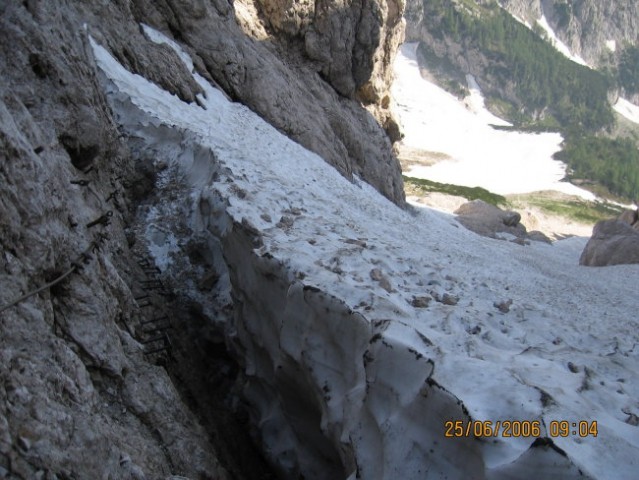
(588, 27)
(353, 41)
(325, 116)
(78, 397)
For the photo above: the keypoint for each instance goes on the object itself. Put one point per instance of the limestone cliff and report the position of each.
(81, 394)
(352, 44)
(591, 29)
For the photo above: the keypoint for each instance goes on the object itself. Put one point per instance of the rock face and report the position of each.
(80, 394)
(352, 44)
(613, 242)
(284, 88)
(586, 27)
(491, 221)
(78, 397)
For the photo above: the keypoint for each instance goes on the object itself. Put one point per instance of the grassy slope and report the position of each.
(571, 208)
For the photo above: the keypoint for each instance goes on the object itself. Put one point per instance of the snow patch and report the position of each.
(558, 44)
(518, 18)
(159, 38)
(476, 104)
(345, 361)
(503, 162)
(627, 109)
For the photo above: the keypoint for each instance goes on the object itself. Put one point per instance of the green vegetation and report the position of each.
(470, 193)
(543, 80)
(563, 11)
(614, 163)
(628, 73)
(551, 203)
(538, 89)
(572, 209)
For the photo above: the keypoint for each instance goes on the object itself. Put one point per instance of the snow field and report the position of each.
(500, 161)
(337, 233)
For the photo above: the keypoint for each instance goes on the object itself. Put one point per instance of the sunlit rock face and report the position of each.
(351, 44)
(354, 42)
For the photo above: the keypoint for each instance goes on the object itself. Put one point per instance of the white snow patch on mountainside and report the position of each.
(503, 162)
(623, 106)
(566, 349)
(558, 44)
(627, 109)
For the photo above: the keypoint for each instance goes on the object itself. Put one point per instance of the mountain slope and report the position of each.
(361, 339)
(593, 30)
(523, 75)
(532, 79)
(104, 371)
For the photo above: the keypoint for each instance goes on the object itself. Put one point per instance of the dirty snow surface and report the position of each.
(565, 348)
(627, 109)
(503, 162)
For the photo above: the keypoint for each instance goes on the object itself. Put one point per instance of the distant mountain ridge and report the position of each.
(591, 29)
(557, 66)
(523, 77)
(602, 33)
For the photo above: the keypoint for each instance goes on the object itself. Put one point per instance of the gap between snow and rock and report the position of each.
(362, 327)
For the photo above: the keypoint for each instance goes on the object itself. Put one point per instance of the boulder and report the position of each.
(628, 216)
(613, 242)
(511, 218)
(488, 220)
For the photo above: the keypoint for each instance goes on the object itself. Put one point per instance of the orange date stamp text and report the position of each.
(518, 428)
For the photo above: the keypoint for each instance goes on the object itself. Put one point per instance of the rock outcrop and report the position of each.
(491, 221)
(284, 87)
(591, 29)
(81, 395)
(78, 397)
(352, 45)
(613, 242)
(353, 42)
